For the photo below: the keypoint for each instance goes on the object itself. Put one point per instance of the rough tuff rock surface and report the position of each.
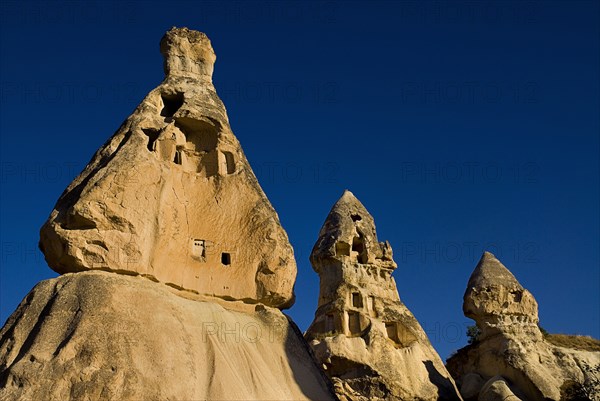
(496, 301)
(511, 359)
(171, 196)
(103, 336)
(369, 343)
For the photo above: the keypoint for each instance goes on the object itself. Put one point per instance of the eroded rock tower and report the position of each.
(369, 343)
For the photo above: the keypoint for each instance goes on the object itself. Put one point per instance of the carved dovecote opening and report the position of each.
(190, 142)
(171, 103)
(152, 135)
(199, 152)
(399, 334)
(353, 323)
(359, 249)
(198, 148)
(517, 295)
(227, 163)
(226, 258)
(357, 300)
(391, 329)
(199, 249)
(178, 158)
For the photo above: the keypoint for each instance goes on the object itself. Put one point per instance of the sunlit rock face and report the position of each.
(171, 195)
(497, 302)
(96, 335)
(169, 199)
(510, 359)
(368, 342)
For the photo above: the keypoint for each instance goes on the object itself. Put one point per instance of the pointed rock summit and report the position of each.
(510, 359)
(349, 230)
(172, 197)
(369, 343)
(491, 272)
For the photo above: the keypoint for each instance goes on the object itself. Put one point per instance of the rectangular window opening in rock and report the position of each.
(357, 300)
(200, 136)
(517, 295)
(371, 303)
(209, 164)
(392, 331)
(225, 258)
(229, 162)
(358, 247)
(353, 323)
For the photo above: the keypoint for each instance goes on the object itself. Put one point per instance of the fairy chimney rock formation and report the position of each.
(169, 199)
(171, 196)
(497, 302)
(510, 358)
(369, 343)
(348, 238)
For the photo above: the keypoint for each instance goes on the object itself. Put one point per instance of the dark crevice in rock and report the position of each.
(171, 103)
(152, 135)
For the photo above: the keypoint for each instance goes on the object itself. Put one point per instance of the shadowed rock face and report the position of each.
(369, 343)
(171, 196)
(511, 360)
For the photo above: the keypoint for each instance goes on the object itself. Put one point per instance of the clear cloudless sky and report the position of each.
(461, 126)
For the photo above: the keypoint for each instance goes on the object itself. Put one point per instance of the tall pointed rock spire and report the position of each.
(370, 344)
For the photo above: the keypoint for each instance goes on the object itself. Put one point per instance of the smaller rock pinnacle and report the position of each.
(187, 53)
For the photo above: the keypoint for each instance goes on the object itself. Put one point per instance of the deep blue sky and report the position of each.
(460, 126)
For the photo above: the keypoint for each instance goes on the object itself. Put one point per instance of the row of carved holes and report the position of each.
(391, 328)
(199, 251)
(153, 134)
